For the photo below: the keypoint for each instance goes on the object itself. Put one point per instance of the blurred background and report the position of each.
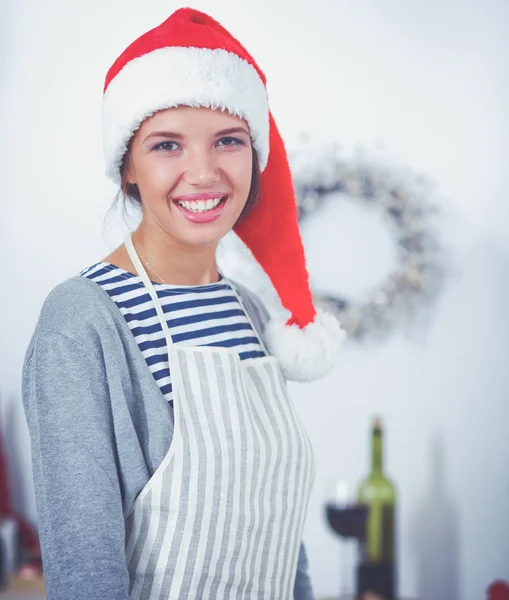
(426, 85)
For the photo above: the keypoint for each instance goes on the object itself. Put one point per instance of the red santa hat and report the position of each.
(192, 60)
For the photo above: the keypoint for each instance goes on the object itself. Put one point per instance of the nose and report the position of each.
(201, 169)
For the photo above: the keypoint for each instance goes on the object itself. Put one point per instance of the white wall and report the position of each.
(429, 80)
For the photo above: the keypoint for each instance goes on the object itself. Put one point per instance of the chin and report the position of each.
(202, 238)
(204, 234)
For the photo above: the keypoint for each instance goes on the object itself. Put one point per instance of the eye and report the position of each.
(166, 146)
(231, 141)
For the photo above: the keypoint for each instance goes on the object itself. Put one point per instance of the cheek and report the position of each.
(156, 175)
(241, 174)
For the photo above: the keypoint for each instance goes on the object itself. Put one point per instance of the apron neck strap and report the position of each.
(142, 273)
(138, 265)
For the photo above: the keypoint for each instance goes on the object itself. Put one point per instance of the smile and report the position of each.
(202, 211)
(201, 206)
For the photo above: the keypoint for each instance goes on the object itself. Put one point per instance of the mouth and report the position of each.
(201, 206)
(202, 211)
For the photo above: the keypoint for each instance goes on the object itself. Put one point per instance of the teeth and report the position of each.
(200, 205)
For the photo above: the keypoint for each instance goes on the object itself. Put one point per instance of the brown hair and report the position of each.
(131, 193)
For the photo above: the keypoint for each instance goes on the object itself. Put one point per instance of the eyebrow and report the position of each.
(179, 136)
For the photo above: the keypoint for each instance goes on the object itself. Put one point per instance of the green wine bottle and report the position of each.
(379, 495)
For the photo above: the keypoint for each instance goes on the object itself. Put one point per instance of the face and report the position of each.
(193, 169)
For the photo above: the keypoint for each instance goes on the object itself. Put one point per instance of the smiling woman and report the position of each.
(169, 460)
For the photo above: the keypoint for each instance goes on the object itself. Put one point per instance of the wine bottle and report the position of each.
(379, 495)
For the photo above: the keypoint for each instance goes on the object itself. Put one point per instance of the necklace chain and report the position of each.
(149, 265)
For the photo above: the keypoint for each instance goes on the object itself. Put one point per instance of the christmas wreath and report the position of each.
(402, 199)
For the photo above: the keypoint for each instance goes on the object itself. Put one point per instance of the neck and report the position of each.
(175, 263)
(376, 452)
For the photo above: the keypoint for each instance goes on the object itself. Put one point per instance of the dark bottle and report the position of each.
(377, 551)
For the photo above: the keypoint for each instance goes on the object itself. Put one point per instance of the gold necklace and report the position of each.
(149, 265)
(152, 268)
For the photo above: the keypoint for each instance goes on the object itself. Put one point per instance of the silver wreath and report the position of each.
(401, 197)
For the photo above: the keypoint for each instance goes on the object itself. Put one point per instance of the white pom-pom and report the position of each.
(308, 353)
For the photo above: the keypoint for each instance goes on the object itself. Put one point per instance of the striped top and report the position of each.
(207, 315)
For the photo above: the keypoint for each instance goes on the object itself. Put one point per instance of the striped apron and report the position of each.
(222, 516)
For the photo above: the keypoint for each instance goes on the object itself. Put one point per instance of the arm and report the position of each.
(78, 494)
(302, 589)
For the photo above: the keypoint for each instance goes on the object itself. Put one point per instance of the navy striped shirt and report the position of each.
(208, 315)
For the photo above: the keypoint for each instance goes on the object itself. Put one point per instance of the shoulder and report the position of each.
(73, 305)
(73, 316)
(255, 307)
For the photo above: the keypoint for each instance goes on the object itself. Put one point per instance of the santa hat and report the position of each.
(192, 60)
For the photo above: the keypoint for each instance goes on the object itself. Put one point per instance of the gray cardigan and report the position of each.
(99, 428)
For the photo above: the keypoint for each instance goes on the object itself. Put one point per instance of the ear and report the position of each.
(130, 176)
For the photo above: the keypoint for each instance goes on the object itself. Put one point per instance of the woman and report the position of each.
(168, 459)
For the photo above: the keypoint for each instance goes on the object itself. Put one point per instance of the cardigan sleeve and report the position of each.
(77, 489)
(303, 589)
